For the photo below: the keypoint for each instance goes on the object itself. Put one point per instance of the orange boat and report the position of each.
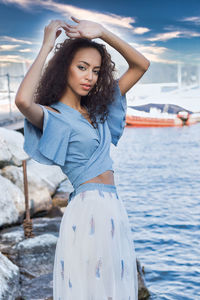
(156, 118)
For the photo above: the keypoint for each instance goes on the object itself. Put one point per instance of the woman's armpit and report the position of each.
(52, 109)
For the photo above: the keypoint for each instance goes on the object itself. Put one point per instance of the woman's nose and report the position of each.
(89, 75)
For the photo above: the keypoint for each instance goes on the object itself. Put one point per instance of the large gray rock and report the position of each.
(9, 279)
(12, 203)
(37, 254)
(37, 174)
(11, 147)
(39, 288)
(12, 153)
(38, 192)
(43, 181)
(143, 292)
(34, 256)
(50, 176)
(12, 236)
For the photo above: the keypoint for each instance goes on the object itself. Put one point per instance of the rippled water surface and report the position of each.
(157, 174)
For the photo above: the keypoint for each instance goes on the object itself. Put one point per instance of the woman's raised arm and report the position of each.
(24, 99)
(29, 83)
(138, 64)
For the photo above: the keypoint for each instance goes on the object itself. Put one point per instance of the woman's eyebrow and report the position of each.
(88, 63)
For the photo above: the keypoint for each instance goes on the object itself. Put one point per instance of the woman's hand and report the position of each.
(51, 32)
(85, 29)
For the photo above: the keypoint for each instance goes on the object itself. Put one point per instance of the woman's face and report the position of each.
(84, 70)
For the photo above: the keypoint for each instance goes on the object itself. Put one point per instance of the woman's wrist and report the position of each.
(46, 49)
(104, 32)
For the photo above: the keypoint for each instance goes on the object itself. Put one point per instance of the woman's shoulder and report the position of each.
(55, 113)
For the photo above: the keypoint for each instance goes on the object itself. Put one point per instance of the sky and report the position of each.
(164, 31)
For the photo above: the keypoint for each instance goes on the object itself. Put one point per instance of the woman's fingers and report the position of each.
(73, 26)
(73, 35)
(75, 19)
(58, 23)
(71, 30)
(52, 32)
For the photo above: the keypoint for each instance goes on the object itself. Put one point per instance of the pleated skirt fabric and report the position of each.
(95, 256)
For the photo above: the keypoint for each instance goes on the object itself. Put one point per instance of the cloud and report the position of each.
(13, 59)
(174, 35)
(14, 40)
(155, 58)
(8, 47)
(152, 49)
(22, 3)
(195, 20)
(80, 13)
(141, 30)
(154, 53)
(25, 50)
(165, 36)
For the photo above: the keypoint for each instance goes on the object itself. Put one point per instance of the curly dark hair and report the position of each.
(50, 89)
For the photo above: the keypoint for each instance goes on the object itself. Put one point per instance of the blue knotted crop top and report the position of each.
(71, 142)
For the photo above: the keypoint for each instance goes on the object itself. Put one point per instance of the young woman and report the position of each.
(73, 111)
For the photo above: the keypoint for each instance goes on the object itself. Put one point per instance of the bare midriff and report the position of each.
(107, 178)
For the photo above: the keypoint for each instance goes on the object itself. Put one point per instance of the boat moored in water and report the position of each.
(156, 118)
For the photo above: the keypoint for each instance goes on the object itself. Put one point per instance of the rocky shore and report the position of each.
(26, 264)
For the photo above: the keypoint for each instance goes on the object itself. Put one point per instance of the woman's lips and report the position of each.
(86, 87)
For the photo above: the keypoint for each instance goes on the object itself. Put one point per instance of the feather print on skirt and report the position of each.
(95, 256)
(112, 228)
(92, 228)
(62, 269)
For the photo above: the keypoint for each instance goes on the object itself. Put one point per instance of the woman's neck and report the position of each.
(71, 99)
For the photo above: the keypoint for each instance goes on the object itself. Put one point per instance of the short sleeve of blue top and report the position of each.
(71, 142)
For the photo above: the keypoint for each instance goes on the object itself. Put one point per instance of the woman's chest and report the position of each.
(84, 139)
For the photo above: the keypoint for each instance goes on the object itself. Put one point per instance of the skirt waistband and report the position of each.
(92, 186)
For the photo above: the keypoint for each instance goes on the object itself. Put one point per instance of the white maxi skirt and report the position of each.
(95, 256)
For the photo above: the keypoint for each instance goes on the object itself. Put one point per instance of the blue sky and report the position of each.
(164, 31)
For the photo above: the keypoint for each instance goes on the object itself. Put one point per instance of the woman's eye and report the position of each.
(81, 67)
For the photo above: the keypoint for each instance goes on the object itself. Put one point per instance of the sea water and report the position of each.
(157, 174)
